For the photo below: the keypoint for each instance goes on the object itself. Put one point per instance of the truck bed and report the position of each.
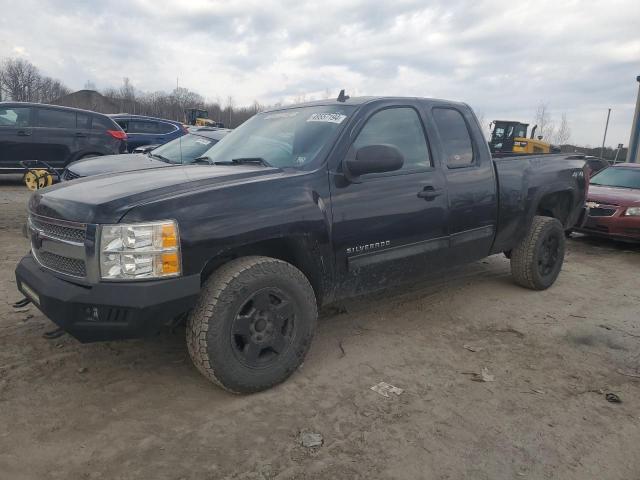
(522, 181)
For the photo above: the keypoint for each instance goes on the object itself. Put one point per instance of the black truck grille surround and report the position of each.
(59, 245)
(70, 266)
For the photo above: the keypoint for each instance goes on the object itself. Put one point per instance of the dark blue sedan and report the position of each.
(143, 130)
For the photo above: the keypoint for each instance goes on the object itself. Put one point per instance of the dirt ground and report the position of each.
(140, 410)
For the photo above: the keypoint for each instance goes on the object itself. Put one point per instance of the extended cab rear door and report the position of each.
(389, 225)
(470, 182)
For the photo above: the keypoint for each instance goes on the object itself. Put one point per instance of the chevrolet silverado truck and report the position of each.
(297, 208)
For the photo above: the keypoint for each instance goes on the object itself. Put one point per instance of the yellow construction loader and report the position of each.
(200, 118)
(510, 138)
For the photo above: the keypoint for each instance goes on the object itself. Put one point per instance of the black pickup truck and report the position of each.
(298, 207)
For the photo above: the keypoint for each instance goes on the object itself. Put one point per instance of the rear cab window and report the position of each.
(455, 137)
(15, 117)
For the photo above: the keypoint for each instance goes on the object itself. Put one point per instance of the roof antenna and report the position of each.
(342, 97)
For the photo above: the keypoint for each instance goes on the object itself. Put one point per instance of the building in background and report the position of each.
(88, 100)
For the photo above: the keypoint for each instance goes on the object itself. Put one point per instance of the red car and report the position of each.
(614, 203)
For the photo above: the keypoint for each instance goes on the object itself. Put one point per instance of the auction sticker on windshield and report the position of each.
(273, 116)
(327, 117)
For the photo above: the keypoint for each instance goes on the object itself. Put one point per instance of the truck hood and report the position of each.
(624, 197)
(106, 198)
(114, 163)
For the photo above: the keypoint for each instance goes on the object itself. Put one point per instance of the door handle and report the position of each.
(429, 193)
(24, 133)
(80, 135)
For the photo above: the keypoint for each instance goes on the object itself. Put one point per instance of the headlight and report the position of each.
(633, 212)
(140, 251)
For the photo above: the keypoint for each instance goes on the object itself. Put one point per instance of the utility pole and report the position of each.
(604, 139)
(633, 153)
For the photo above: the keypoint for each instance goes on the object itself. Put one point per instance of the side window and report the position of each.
(15, 117)
(103, 123)
(83, 121)
(400, 127)
(163, 127)
(56, 118)
(142, 126)
(456, 141)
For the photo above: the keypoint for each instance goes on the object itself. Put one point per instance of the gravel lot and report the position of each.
(140, 410)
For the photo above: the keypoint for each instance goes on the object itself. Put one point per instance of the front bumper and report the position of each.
(106, 311)
(617, 226)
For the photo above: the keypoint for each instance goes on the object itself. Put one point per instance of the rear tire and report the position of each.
(537, 260)
(253, 324)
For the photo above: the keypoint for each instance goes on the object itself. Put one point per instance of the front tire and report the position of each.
(253, 324)
(537, 260)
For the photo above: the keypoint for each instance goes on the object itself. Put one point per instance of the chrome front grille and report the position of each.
(69, 266)
(59, 245)
(61, 231)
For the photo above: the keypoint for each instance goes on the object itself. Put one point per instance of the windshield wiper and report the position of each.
(235, 161)
(202, 161)
(160, 157)
(243, 160)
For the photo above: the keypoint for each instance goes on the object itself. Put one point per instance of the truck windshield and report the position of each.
(618, 177)
(286, 138)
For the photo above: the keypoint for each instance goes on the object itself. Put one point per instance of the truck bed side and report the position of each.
(548, 185)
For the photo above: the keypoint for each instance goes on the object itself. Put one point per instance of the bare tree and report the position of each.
(21, 81)
(563, 133)
(544, 121)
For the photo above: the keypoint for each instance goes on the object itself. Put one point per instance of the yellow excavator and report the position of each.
(510, 138)
(200, 118)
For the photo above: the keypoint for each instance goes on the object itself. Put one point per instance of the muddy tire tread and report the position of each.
(212, 297)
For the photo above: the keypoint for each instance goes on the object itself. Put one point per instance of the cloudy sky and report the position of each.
(503, 58)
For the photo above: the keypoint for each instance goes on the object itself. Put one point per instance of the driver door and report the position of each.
(388, 226)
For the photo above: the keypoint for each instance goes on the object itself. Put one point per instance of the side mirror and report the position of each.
(374, 159)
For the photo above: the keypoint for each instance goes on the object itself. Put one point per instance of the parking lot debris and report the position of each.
(21, 303)
(612, 398)
(83, 370)
(52, 334)
(384, 389)
(310, 440)
(483, 376)
(472, 348)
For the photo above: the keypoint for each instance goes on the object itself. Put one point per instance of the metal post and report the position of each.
(633, 154)
(606, 127)
(620, 147)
